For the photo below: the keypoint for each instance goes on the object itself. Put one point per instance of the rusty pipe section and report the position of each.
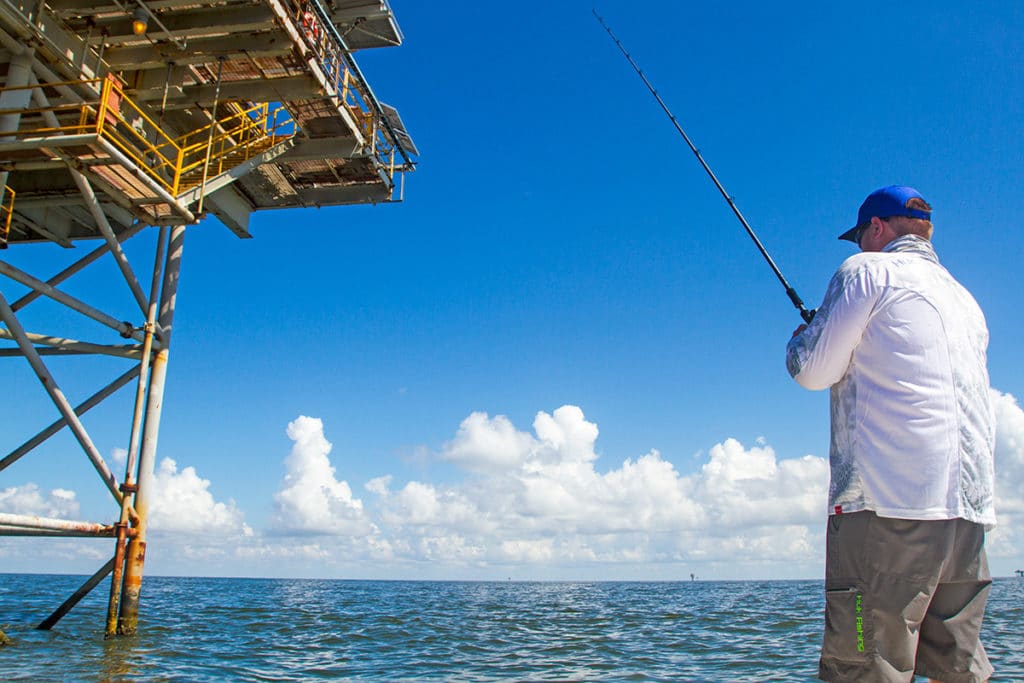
(128, 612)
(130, 486)
(8, 531)
(31, 522)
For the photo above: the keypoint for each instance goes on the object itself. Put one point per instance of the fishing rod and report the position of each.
(806, 314)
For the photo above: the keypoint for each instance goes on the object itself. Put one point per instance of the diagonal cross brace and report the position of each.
(36, 361)
(86, 405)
(123, 328)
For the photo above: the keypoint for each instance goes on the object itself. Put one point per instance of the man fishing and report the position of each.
(902, 346)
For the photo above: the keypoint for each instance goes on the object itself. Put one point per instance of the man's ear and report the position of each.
(878, 228)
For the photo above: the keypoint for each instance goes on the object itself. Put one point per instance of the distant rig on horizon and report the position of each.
(121, 118)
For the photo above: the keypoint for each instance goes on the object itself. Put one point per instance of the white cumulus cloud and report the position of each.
(311, 499)
(538, 502)
(28, 499)
(485, 445)
(540, 498)
(1007, 539)
(740, 487)
(182, 502)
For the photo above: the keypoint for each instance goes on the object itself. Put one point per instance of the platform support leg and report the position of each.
(135, 555)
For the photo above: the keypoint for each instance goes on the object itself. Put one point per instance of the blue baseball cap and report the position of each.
(886, 202)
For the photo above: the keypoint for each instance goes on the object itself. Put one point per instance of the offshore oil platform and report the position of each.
(121, 118)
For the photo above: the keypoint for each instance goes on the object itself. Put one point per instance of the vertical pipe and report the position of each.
(101, 116)
(85, 49)
(99, 54)
(19, 73)
(130, 486)
(128, 618)
(209, 139)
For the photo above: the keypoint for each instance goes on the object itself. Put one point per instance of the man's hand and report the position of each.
(799, 330)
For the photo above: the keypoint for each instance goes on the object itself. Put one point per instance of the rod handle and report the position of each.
(807, 315)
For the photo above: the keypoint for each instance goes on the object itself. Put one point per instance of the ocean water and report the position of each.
(195, 629)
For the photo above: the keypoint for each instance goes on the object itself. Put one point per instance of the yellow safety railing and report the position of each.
(170, 161)
(6, 213)
(234, 139)
(354, 94)
(131, 130)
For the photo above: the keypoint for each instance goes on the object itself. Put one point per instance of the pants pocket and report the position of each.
(848, 633)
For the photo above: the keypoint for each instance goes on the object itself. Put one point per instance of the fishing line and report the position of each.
(806, 314)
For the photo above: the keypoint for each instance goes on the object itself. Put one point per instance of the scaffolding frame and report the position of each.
(227, 107)
(147, 359)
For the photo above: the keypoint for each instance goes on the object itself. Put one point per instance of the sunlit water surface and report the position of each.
(305, 630)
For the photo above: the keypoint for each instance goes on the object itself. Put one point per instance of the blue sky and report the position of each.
(560, 246)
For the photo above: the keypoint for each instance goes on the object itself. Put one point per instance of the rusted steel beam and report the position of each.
(128, 616)
(47, 533)
(114, 600)
(130, 481)
(52, 524)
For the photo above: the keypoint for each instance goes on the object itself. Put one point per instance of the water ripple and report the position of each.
(303, 630)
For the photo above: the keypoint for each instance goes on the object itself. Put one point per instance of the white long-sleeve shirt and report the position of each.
(902, 345)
